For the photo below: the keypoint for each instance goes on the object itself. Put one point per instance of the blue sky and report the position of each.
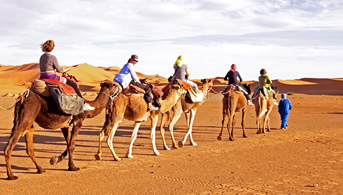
(291, 39)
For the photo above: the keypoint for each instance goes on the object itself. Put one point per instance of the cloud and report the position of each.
(251, 33)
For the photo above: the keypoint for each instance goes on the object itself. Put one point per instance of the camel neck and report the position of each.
(170, 100)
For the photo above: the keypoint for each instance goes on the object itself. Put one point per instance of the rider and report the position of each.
(181, 72)
(49, 66)
(127, 75)
(232, 75)
(265, 84)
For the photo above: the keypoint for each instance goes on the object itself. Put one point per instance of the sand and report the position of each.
(307, 158)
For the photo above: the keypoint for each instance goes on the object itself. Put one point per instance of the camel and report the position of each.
(184, 105)
(263, 108)
(134, 108)
(233, 101)
(43, 110)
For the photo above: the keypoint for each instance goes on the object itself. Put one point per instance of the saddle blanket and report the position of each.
(40, 87)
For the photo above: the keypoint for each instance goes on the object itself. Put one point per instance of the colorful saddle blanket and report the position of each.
(64, 95)
(40, 87)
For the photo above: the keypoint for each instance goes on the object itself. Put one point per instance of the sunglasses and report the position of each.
(135, 60)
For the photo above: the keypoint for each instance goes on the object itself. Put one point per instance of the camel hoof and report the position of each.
(54, 160)
(40, 170)
(166, 148)
(194, 144)
(12, 177)
(129, 156)
(73, 169)
(219, 138)
(117, 158)
(157, 153)
(97, 156)
(231, 139)
(181, 144)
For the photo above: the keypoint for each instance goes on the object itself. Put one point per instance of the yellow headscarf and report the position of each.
(178, 61)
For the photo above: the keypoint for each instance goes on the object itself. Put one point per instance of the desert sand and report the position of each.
(307, 158)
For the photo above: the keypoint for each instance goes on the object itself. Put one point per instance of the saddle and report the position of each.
(41, 87)
(64, 95)
(260, 89)
(193, 94)
(232, 87)
(134, 90)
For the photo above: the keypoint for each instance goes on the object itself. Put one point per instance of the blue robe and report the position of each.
(284, 107)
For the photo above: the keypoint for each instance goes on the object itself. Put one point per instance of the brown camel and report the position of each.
(263, 108)
(134, 108)
(44, 111)
(233, 101)
(184, 105)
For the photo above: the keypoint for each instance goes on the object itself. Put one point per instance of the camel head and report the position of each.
(110, 88)
(208, 83)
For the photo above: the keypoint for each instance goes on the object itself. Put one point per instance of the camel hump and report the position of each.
(40, 87)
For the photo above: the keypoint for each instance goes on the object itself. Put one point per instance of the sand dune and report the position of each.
(15, 79)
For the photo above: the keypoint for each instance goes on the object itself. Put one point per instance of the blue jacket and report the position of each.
(284, 106)
(126, 75)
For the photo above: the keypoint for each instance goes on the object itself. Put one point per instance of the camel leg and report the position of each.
(267, 122)
(56, 159)
(101, 137)
(110, 142)
(30, 148)
(164, 119)
(110, 128)
(154, 119)
(14, 138)
(176, 116)
(71, 146)
(221, 131)
(190, 119)
(243, 123)
(233, 124)
(23, 119)
(229, 127)
(133, 138)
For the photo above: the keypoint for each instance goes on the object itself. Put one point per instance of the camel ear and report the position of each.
(102, 84)
(203, 80)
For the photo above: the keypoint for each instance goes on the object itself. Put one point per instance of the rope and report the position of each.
(21, 95)
(214, 91)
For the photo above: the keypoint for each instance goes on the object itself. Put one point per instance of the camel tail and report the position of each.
(16, 118)
(108, 120)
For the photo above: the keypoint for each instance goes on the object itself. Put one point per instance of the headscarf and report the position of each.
(233, 68)
(283, 96)
(178, 61)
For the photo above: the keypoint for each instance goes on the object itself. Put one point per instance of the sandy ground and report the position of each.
(307, 158)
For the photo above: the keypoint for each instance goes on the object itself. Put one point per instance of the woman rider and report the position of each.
(232, 75)
(48, 65)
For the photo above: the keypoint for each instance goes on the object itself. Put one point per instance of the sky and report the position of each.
(291, 39)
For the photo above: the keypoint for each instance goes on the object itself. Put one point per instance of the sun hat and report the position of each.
(134, 57)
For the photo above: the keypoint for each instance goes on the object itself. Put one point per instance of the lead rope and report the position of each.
(20, 98)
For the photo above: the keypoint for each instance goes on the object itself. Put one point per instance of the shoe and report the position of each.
(86, 106)
(152, 108)
(250, 103)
